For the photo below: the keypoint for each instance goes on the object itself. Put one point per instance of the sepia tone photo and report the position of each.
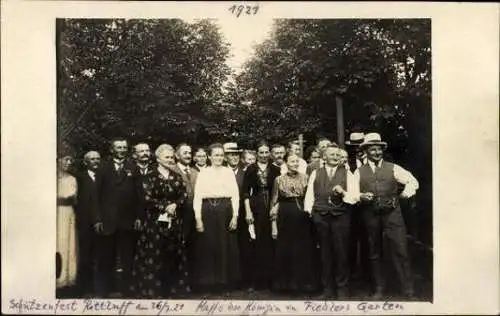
(196, 162)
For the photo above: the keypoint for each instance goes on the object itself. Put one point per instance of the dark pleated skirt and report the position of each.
(216, 249)
(294, 255)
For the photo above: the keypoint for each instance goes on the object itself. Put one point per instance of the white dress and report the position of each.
(66, 246)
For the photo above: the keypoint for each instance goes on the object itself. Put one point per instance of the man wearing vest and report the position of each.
(328, 198)
(378, 186)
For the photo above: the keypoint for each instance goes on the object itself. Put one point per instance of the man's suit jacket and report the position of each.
(86, 206)
(188, 224)
(190, 182)
(119, 196)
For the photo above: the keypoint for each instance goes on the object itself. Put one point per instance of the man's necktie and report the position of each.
(187, 171)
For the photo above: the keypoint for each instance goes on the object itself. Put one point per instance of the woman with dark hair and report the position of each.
(294, 256)
(160, 263)
(216, 203)
(257, 186)
(66, 245)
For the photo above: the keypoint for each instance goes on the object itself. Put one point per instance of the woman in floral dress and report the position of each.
(160, 264)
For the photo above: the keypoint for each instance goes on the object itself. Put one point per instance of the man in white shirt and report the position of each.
(328, 198)
(377, 183)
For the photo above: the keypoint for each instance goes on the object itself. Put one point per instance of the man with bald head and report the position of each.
(85, 209)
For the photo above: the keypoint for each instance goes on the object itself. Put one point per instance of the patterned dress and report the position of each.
(160, 263)
(294, 253)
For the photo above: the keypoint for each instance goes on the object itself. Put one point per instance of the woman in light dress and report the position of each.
(66, 245)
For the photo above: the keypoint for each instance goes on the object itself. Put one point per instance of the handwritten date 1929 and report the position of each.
(238, 10)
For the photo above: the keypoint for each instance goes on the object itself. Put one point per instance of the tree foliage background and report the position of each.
(168, 81)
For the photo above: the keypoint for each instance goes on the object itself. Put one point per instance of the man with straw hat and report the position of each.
(377, 181)
(358, 243)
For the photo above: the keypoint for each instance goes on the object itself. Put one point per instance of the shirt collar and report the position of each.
(118, 161)
(182, 167)
(372, 164)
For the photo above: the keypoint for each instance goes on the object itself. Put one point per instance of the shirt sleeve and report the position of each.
(234, 192)
(303, 166)
(352, 194)
(309, 198)
(199, 191)
(407, 179)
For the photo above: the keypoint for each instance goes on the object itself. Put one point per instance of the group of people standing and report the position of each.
(235, 219)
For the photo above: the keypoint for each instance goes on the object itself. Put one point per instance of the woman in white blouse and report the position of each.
(216, 203)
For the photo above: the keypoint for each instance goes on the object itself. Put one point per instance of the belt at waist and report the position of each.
(216, 199)
(67, 201)
(291, 199)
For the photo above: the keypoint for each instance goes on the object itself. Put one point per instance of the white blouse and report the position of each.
(215, 182)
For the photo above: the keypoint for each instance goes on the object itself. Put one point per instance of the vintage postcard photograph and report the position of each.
(244, 161)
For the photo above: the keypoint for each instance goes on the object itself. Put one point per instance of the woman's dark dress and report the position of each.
(160, 261)
(294, 252)
(258, 187)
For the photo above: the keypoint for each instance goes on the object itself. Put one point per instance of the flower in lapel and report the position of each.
(128, 172)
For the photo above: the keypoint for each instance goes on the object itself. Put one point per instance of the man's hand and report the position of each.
(233, 224)
(338, 190)
(171, 209)
(368, 196)
(405, 195)
(98, 227)
(199, 226)
(137, 224)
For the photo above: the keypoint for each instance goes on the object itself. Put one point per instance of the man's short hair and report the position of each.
(117, 139)
(178, 148)
(163, 148)
(277, 146)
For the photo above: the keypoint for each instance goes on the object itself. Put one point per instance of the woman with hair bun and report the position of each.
(216, 203)
(257, 186)
(294, 256)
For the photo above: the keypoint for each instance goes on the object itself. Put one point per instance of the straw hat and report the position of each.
(373, 139)
(355, 139)
(231, 148)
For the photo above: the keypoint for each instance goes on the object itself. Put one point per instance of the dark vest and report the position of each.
(324, 200)
(381, 183)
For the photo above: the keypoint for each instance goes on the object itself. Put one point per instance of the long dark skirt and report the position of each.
(294, 259)
(160, 263)
(263, 251)
(216, 250)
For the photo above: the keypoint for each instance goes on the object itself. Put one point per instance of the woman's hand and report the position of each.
(171, 209)
(273, 214)
(199, 226)
(249, 216)
(233, 224)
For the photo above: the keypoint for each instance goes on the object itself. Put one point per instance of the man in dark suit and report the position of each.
(118, 216)
(358, 247)
(232, 157)
(183, 155)
(85, 210)
(142, 157)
